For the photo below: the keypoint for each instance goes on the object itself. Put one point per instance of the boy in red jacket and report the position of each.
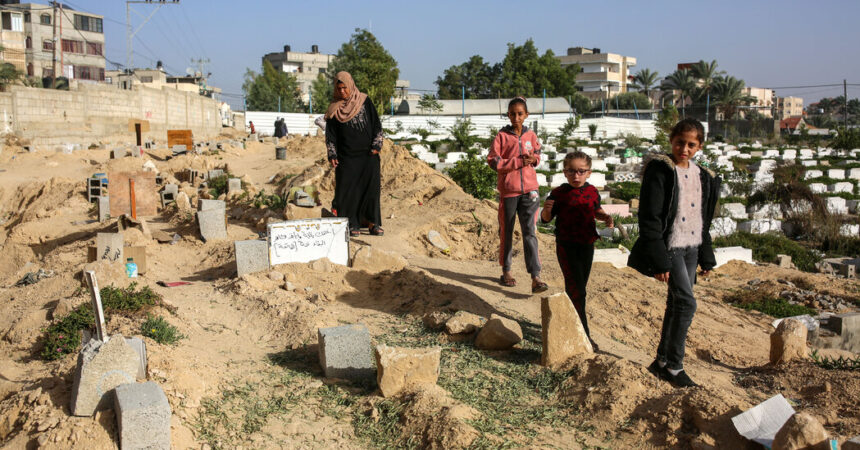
(514, 154)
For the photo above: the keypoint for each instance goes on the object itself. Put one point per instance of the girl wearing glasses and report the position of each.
(576, 204)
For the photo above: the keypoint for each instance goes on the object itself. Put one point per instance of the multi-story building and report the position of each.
(159, 79)
(80, 38)
(306, 67)
(12, 39)
(789, 107)
(603, 75)
(763, 103)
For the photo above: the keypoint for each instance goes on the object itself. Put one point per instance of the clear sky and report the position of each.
(767, 43)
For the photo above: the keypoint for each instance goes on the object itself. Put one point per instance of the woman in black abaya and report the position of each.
(353, 137)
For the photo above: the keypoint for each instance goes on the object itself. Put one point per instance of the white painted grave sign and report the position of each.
(308, 240)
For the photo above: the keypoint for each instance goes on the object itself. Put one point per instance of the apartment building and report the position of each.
(789, 107)
(603, 75)
(79, 37)
(12, 39)
(159, 79)
(306, 67)
(763, 103)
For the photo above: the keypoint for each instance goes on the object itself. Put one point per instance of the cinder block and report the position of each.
(167, 198)
(251, 256)
(172, 188)
(102, 367)
(118, 153)
(143, 416)
(213, 224)
(104, 208)
(345, 352)
(208, 205)
(234, 185)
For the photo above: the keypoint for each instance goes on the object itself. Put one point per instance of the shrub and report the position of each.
(474, 176)
(625, 190)
(271, 201)
(160, 330)
(765, 247)
(64, 337)
(776, 307)
(218, 185)
(127, 300)
(592, 130)
(461, 134)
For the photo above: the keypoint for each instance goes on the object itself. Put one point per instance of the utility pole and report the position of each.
(54, 49)
(845, 102)
(62, 68)
(129, 33)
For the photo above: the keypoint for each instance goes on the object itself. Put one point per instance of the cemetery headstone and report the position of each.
(143, 416)
(345, 352)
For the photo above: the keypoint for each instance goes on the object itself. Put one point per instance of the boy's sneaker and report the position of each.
(659, 372)
(681, 379)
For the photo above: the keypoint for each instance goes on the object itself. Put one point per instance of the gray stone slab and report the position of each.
(102, 367)
(118, 153)
(234, 185)
(109, 246)
(251, 256)
(844, 324)
(140, 347)
(142, 416)
(104, 208)
(215, 173)
(172, 188)
(208, 205)
(213, 224)
(167, 198)
(345, 352)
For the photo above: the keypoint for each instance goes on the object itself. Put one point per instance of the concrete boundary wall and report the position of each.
(93, 113)
(607, 127)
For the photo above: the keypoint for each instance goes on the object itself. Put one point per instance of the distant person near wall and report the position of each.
(251, 124)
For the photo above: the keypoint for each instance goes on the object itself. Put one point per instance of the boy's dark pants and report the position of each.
(680, 307)
(575, 261)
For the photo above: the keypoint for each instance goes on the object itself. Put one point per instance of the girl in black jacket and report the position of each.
(676, 206)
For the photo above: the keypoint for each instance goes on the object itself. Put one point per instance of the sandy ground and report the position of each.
(235, 328)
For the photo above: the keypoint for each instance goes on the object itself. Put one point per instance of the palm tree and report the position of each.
(682, 81)
(729, 95)
(644, 80)
(707, 74)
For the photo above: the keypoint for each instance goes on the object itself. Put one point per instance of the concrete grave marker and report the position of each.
(308, 240)
(102, 366)
(143, 416)
(234, 185)
(209, 205)
(345, 352)
(104, 208)
(251, 256)
(213, 224)
(109, 246)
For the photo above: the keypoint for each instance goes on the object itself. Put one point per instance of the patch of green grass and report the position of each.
(270, 201)
(765, 247)
(218, 185)
(772, 306)
(160, 330)
(64, 337)
(830, 363)
(128, 300)
(383, 431)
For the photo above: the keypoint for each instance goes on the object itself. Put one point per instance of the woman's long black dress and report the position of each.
(357, 176)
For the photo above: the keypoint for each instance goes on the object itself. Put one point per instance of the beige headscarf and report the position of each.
(344, 109)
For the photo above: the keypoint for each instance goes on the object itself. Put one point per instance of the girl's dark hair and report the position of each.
(689, 124)
(518, 100)
(576, 155)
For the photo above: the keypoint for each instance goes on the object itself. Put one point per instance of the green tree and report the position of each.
(684, 83)
(581, 104)
(631, 100)
(461, 134)
(8, 74)
(524, 72)
(592, 130)
(566, 131)
(644, 81)
(475, 76)
(666, 120)
(264, 90)
(429, 104)
(322, 93)
(729, 95)
(474, 176)
(707, 74)
(374, 69)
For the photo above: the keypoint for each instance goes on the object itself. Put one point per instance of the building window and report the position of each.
(47, 46)
(146, 79)
(47, 72)
(13, 21)
(87, 23)
(322, 70)
(30, 70)
(28, 42)
(89, 73)
(71, 46)
(26, 17)
(94, 48)
(45, 19)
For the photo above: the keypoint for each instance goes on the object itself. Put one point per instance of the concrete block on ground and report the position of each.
(208, 205)
(844, 325)
(399, 368)
(836, 205)
(172, 188)
(597, 179)
(213, 224)
(562, 333)
(143, 416)
(842, 186)
(104, 208)
(850, 230)
(140, 347)
(251, 256)
(215, 173)
(167, 198)
(812, 173)
(345, 352)
(102, 367)
(109, 246)
(614, 256)
(854, 173)
(723, 226)
(734, 210)
(760, 226)
(818, 188)
(836, 174)
(234, 185)
(726, 254)
(118, 153)
(765, 211)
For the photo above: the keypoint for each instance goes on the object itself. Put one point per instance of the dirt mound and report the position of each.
(440, 422)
